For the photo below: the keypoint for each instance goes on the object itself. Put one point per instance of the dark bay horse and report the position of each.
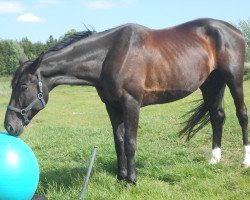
(132, 66)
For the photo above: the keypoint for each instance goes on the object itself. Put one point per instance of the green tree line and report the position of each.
(244, 26)
(11, 50)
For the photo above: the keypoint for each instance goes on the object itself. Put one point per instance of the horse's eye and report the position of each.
(24, 87)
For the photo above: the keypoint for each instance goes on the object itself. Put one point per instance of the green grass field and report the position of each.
(64, 133)
(247, 71)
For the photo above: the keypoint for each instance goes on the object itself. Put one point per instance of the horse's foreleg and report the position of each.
(118, 131)
(131, 110)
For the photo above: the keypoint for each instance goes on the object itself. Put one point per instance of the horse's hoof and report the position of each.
(215, 156)
(214, 161)
(245, 164)
(131, 179)
(246, 157)
(121, 176)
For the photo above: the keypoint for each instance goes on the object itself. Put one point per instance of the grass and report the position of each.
(247, 71)
(64, 133)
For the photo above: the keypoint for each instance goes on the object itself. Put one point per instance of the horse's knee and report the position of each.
(119, 136)
(130, 147)
(120, 139)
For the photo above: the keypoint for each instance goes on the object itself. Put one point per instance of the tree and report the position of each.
(28, 48)
(39, 48)
(244, 26)
(11, 52)
(51, 42)
(68, 34)
(33, 50)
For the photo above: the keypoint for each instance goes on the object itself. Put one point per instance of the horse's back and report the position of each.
(177, 61)
(168, 64)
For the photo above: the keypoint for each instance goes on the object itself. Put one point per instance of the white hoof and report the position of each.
(246, 157)
(245, 164)
(215, 156)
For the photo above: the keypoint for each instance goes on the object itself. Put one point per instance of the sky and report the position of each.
(38, 19)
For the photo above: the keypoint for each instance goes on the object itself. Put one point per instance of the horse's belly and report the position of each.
(159, 97)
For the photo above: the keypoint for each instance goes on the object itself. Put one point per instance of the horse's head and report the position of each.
(29, 96)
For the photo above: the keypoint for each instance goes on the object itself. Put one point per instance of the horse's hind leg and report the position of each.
(235, 84)
(213, 92)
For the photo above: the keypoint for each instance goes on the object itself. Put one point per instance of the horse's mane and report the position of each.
(71, 39)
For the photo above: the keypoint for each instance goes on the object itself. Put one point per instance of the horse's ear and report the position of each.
(36, 63)
(23, 60)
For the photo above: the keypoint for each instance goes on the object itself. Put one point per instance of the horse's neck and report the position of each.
(77, 64)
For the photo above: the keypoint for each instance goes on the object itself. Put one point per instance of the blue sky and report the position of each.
(38, 19)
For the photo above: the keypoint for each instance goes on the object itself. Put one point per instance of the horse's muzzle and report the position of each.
(12, 130)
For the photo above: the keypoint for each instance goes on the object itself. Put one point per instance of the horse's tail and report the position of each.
(198, 119)
(213, 91)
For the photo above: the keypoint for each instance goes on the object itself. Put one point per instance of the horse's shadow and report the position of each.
(68, 177)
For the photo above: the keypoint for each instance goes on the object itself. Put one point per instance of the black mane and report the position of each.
(71, 39)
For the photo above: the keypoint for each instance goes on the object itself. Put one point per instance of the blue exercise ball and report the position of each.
(19, 170)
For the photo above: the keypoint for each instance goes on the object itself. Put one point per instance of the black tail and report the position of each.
(198, 119)
(213, 91)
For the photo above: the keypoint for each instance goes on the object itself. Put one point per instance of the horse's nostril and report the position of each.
(8, 128)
